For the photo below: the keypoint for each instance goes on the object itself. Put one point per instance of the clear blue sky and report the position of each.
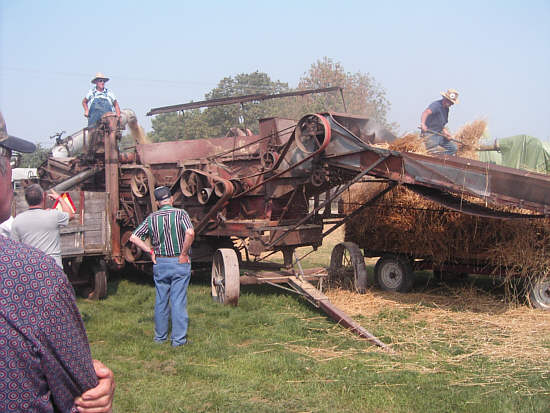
(496, 53)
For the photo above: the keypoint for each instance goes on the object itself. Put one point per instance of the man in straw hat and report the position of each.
(434, 119)
(100, 99)
(46, 362)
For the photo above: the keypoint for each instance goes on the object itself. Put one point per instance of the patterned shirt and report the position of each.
(93, 93)
(166, 228)
(45, 359)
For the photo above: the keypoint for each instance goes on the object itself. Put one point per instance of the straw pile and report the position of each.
(404, 222)
(462, 317)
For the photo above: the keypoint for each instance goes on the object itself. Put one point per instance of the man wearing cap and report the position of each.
(100, 100)
(433, 122)
(171, 233)
(45, 360)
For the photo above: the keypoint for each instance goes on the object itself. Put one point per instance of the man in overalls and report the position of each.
(100, 99)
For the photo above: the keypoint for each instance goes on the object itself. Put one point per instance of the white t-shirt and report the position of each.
(39, 228)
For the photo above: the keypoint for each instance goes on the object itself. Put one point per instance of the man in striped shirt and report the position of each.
(171, 233)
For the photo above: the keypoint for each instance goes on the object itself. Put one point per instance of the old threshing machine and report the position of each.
(250, 196)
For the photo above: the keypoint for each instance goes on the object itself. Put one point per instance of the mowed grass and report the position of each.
(277, 353)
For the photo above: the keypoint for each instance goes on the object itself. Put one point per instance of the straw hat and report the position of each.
(451, 94)
(99, 75)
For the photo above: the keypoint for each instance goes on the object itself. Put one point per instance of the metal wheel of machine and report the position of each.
(190, 183)
(394, 273)
(139, 183)
(347, 263)
(99, 280)
(539, 293)
(312, 133)
(130, 251)
(225, 277)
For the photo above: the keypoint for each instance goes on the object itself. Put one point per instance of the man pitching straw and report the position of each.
(433, 122)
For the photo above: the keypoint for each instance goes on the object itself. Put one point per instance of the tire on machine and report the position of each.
(394, 273)
(346, 261)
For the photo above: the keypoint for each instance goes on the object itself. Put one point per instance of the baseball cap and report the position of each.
(13, 143)
(162, 193)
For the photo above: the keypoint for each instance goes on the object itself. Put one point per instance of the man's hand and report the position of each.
(183, 259)
(53, 195)
(100, 398)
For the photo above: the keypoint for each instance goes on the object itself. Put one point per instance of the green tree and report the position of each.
(216, 121)
(362, 94)
(35, 159)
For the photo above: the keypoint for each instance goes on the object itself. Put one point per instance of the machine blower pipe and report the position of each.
(75, 180)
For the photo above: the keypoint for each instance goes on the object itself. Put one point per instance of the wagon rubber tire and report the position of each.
(394, 273)
(225, 277)
(99, 281)
(347, 260)
(539, 293)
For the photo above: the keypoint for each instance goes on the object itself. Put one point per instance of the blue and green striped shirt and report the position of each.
(166, 229)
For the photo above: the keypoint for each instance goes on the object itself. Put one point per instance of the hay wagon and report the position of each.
(408, 233)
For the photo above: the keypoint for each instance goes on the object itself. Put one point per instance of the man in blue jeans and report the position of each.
(433, 121)
(171, 233)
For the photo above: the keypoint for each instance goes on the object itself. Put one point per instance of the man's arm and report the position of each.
(423, 119)
(189, 238)
(100, 398)
(85, 106)
(141, 244)
(64, 204)
(117, 108)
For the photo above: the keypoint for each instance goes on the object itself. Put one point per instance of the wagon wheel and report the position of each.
(312, 134)
(539, 293)
(98, 280)
(225, 277)
(394, 273)
(139, 183)
(347, 263)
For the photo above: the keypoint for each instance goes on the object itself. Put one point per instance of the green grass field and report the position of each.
(277, 353)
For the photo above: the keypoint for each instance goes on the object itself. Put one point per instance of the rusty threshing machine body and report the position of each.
(250, 196)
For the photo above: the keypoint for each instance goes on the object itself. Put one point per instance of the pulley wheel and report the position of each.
(312, 133)
(139, 183)
(190, 183)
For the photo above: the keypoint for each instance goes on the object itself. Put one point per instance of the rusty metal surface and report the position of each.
(238, 99)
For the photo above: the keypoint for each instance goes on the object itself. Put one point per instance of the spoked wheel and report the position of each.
(225, 277)
(539, 293)
(394, 273)
(98, 280)
(348, 264)
(139, 183)
(312, 133)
